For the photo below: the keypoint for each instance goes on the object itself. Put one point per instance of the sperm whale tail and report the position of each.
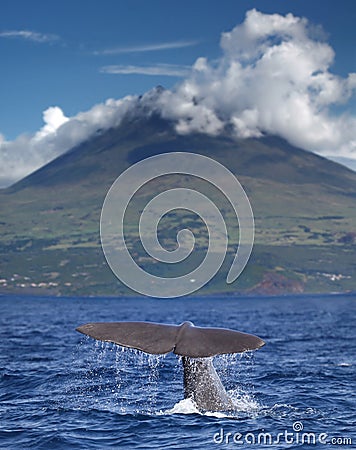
(183, 340)
(196, 345)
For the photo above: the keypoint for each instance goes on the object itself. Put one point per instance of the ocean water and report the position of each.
(62, 390)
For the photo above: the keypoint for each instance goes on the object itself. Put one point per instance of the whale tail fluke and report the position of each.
(183, 340)
(195, 344)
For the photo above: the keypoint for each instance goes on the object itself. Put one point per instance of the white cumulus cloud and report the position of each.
(53, 118)
(27, 153)
(273, 77)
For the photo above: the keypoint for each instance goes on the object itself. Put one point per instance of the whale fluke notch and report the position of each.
(184, 340)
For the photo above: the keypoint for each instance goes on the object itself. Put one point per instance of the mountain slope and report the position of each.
(304, 208)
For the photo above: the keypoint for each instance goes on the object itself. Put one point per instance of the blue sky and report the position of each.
(75, 54)
(65, 69)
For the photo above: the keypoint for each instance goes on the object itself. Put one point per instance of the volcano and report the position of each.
(303, 204)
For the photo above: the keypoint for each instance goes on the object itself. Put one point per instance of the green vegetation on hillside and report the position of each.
(304, 209)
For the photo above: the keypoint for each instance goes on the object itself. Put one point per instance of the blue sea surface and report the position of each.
(62, 390)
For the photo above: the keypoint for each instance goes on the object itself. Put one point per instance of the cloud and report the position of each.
(273, 77)
(59, 133)
(53, 118)
(29, 36)
(171, 70)
(147, 47)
